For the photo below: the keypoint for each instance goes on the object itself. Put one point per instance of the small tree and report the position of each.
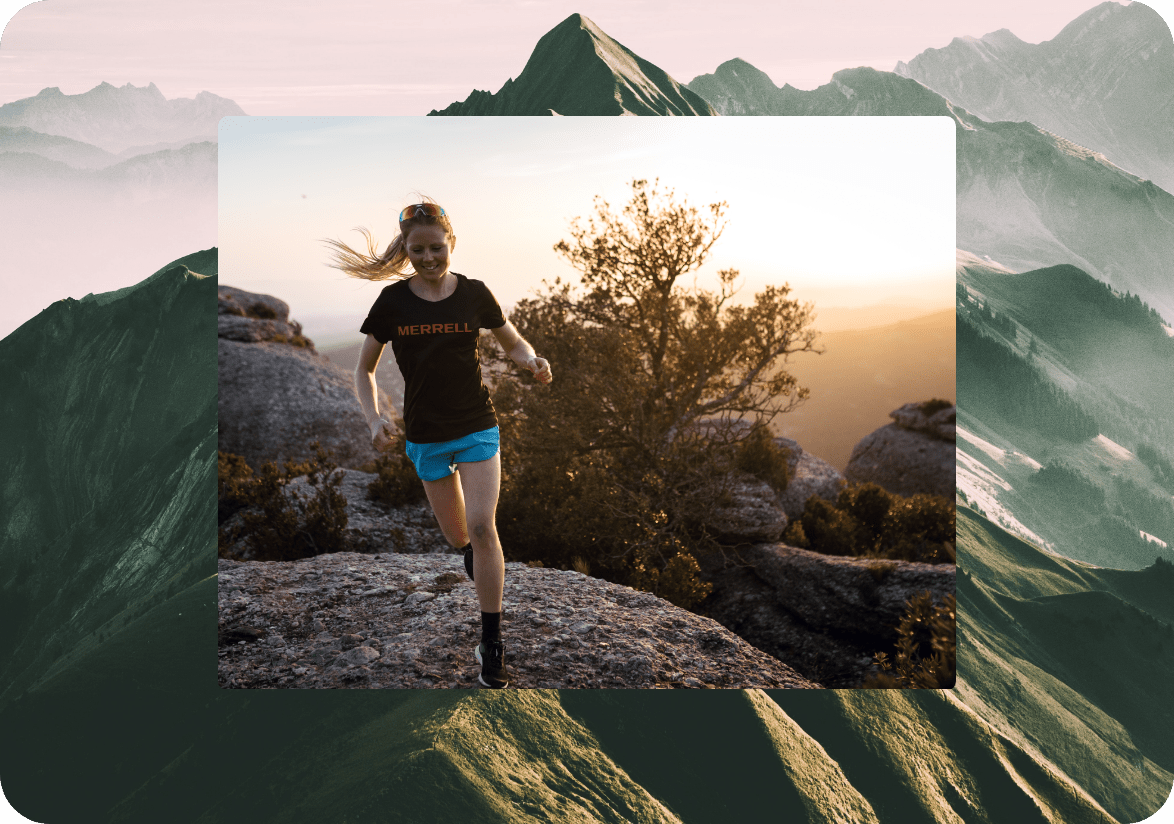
(656, 385)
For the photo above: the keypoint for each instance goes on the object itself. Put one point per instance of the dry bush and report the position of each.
(868, 521)
(397, 484)
(926, 649)
(280, 523)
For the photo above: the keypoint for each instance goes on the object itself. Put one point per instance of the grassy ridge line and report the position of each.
(1034, 680)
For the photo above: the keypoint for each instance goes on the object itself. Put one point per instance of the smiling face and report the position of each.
(428, 250)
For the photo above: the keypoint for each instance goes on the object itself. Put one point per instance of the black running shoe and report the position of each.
(469, 561)
(491, 657)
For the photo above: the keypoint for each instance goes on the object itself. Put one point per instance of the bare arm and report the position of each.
(366, 389)
(521, 352)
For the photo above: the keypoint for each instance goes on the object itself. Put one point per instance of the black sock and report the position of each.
(467, 550)
(490, 626)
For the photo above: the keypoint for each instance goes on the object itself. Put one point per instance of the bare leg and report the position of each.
(481, 483)
(448, 505)
(465, 506)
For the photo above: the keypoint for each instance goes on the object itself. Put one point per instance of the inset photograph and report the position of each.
(576, 403)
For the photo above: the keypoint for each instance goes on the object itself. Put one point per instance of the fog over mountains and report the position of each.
(118, 119)
(1102, 82)
(1025, 197)
(131, 174)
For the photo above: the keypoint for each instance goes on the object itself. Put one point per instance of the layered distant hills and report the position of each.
(1025, 197)
(131, 174)
(1103, 82)
(120, 120)
(576, 69)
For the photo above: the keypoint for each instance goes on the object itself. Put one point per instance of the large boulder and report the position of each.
(912, 455)
(824, 615)
(411, 621)
(809, 476)
(277, 395)
(748, 515)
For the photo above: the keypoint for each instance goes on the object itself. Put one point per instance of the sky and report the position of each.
(359, 59)
(848, 211)
(348, 57)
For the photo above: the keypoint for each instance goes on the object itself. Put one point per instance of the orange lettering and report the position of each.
(413, 330)
(450, 327)
(403, 330)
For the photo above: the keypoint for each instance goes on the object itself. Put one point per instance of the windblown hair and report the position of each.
(393, 263)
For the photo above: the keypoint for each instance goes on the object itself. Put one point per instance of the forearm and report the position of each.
(521, 352)
(366, 389)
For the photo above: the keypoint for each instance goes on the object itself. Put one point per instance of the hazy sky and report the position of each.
(356, 57)
(363, 57)
(849, 211)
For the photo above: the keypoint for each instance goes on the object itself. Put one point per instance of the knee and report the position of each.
(483, 529)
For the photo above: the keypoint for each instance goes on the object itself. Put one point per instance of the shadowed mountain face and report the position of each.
(1106, 82)
(576, 69)
(127, 644)
(106, 457)
(1025, 197)
(116, 119)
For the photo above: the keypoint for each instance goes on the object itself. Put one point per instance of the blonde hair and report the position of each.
(393, 263)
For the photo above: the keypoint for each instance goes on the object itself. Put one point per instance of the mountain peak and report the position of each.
(578, 69)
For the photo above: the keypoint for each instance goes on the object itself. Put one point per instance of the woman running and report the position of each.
(431, 317)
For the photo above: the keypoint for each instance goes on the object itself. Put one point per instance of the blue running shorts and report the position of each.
(439, 460)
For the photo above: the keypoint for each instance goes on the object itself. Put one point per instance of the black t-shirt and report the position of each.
(435, 345)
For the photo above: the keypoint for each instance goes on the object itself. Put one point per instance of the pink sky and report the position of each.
(357, 57)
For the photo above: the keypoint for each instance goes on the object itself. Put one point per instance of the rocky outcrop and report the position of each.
(824, 615)
(278, 397)
(809, 476)
(913, 455)
(411, 621)
(749, 515)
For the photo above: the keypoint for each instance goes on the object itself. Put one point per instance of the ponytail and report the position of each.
(393, 263)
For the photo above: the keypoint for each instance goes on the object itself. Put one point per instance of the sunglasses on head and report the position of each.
(430, 209)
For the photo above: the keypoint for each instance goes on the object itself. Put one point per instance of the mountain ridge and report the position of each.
(1106, 81)
(577, 69)
(118, 118)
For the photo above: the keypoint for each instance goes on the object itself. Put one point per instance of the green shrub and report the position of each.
(759, 455)
(678, 582)
(828, 529)
(920, 528)
(936, 405)
(397, 484)
(234, 479)
(868, 521)
(279, 523)
(926, 649)
(795, 536)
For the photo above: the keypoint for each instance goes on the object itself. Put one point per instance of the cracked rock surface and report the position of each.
(351, 620)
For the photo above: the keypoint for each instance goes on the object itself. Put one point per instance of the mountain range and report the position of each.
(132, 175)
(1102, 82)
(109, 632)
(1026, 197)
(1061, 712)
(118, 119)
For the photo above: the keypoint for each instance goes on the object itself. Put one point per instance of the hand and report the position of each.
(381, 432)
(541, 369)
